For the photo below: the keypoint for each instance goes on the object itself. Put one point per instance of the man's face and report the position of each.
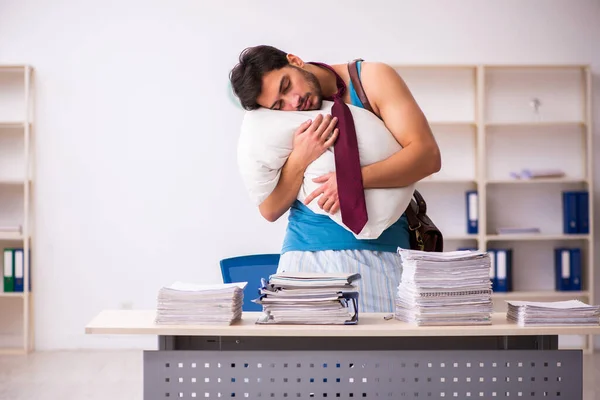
(290, 89)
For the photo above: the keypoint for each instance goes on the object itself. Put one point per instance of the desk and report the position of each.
(375, 359)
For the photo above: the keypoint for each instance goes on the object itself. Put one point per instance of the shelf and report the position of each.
(17, 151)
(13, 68)
(535, 181)
(11, 236)
(535, 66)
(535, 237)
(549, 148)
(491, 121)
(18, 295)
(448, 180)
(434, 66)
(446, 95)
(453, 123)
(528, 124)
(12, 125)
(460, 237)
(13, 181)
(12, 351)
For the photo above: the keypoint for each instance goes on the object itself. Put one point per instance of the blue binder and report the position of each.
(576, 212)
(575, 283)
(567, 269)
(19, 270)
(472, 212)
(583, 212)
(562, 269)
(570, 219)
(503, 263)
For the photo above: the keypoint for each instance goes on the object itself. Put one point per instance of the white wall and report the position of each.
(136, 179)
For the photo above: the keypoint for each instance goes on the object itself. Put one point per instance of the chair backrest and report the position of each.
(249, 268)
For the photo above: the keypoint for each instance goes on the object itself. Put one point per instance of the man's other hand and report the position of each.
(329, 201)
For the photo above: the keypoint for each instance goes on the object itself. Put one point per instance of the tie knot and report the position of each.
(341, 88)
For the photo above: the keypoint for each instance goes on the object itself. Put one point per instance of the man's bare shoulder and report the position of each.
(381, 83)
(377, 69)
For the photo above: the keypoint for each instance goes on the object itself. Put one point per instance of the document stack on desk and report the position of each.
(570, 312)
(187, 303)
(444, 288)
(309, 298)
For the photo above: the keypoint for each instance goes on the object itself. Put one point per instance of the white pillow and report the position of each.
(265, 143)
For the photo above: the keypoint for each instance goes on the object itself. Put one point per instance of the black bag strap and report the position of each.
(411, 215)
(421, 205)
(360, 91)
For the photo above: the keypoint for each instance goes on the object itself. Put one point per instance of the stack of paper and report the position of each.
(444, 288)
(570, 312)
(309, 298)
(187, 303)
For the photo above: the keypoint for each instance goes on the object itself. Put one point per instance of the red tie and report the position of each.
(347, 162)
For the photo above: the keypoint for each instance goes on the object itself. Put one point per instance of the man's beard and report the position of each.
(315, 89)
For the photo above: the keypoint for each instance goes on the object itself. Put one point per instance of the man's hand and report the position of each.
(312, 139)
(329, 200)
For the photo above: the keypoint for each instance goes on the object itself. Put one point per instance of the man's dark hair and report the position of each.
(254, 63)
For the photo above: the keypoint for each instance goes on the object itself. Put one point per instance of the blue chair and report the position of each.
(251, 269)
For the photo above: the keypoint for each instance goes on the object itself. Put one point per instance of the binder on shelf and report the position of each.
(472, 212)
(562, 269)
(569, 203)
(14, 270)
(567, 269)
(575, 212)
(503, 270)
(9, 280)
(575, 269)
(583, 212)
(19, 267)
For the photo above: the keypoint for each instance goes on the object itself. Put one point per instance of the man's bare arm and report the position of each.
(311, 140)
(284, 194)
(392, 100)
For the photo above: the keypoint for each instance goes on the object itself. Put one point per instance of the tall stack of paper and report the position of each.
(570, 312)
(188, 303)
(309, 298)
(444, 288)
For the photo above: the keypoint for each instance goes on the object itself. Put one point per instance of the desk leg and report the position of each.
(166, 343)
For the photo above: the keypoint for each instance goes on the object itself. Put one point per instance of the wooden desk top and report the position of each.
(141, 322)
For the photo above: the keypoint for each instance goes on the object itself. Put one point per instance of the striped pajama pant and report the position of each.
(380, 272)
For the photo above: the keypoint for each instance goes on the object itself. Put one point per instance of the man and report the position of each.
(271, 78)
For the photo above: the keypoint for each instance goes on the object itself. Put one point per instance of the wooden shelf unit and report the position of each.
(485, 121)
(16, 210)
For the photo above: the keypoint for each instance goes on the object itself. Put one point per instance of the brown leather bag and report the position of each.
(424, 235)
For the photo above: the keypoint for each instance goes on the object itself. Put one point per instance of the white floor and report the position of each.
(117, 375)
(76, 375)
